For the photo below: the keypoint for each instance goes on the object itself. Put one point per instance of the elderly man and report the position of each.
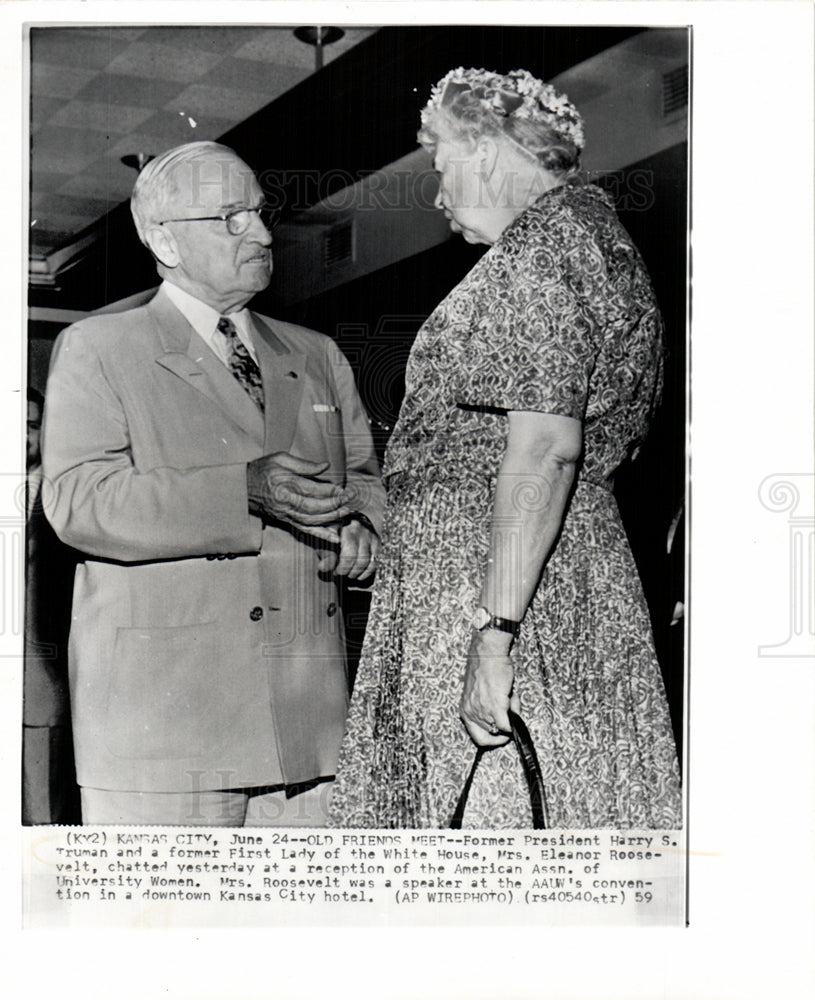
(217, 470)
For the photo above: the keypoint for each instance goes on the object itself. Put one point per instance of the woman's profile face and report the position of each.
(462, 193)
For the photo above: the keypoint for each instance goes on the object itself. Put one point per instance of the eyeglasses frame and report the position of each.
(226, 216)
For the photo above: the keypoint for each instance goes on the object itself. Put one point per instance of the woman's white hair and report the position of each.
(470, 103)
(157, 186)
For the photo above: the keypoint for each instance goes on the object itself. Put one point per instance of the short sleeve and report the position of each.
(534, 345)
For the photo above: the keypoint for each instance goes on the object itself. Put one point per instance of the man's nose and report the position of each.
(258, 231)
(438, 199)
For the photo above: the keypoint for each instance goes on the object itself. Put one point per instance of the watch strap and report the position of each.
(504, 625)
(485, 619)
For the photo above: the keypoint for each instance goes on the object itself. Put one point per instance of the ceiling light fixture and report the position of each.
(137, 160)
(318, 37)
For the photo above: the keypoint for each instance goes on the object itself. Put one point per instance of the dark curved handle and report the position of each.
(532, 773)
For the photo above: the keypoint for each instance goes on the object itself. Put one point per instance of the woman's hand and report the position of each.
(488, 693)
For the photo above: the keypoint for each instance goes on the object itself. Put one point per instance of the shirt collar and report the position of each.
(204, 319)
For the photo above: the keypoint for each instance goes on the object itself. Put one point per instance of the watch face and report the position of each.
(481, 618)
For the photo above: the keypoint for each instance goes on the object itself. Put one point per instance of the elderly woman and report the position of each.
(505, 578)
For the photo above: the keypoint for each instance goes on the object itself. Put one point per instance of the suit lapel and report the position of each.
(185, 354)
(283, 372)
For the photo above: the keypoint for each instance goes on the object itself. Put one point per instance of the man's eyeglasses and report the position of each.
(238, 220)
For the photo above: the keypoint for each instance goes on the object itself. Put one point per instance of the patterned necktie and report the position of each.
(241, 363)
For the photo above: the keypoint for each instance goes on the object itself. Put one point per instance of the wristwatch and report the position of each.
(483, 619)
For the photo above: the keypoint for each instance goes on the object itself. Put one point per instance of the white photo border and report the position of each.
(752, 739)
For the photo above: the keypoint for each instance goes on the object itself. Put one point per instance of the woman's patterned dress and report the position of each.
(557, 317)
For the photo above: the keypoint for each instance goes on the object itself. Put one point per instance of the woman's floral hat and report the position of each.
(516, 95)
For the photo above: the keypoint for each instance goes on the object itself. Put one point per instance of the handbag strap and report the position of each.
(532, 773)
(461, 805)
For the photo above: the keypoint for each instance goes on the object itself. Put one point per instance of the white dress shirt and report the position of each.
(204, 320)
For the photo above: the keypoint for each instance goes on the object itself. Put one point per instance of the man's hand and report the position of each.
(287, 489)
(356, 556)
(359, 546)
(488, 693)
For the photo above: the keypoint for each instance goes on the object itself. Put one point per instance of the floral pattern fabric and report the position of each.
(557, 317)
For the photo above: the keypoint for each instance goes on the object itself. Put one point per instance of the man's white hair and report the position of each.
(157, 185)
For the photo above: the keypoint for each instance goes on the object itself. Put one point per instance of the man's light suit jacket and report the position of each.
(206, 648)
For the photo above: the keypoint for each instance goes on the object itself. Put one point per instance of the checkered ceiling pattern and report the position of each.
(99, 93)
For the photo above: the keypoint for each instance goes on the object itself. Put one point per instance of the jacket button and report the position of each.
(256, 614)
(331, 610)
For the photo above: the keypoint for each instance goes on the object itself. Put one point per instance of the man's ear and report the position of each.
(162, 245)
(487, 152)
